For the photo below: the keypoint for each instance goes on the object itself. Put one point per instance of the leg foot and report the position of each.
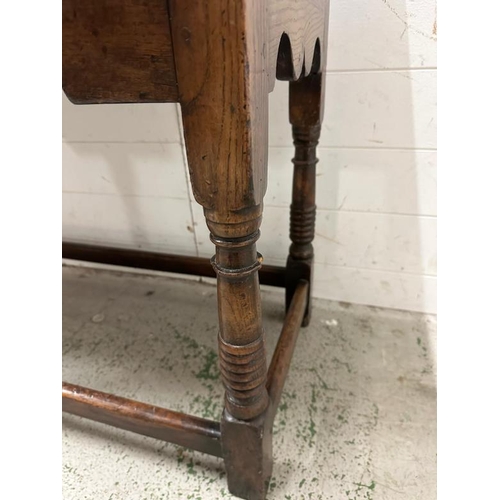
(247, 452)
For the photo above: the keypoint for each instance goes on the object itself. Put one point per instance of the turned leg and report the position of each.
(224, 77)
(305, 108)
(223, 91)
(246, 436)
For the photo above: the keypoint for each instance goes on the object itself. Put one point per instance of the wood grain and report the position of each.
(117, 51)
(227, 59)
(297, 38)
(221, 71)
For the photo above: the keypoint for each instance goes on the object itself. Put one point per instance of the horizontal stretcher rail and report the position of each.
(268, 275)
(178, 428)
(282, 357)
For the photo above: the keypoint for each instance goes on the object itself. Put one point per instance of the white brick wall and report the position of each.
(125, 183)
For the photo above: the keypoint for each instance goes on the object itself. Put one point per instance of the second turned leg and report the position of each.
(305, 108)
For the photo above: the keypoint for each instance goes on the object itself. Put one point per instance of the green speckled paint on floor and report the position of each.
(357, 419)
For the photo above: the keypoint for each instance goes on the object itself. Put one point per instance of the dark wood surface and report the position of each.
(222, 80)
(247, 445)
(117, 51)
(306, 99)
(140, 259)
(185, 430)
(242, 356)
(283, 353)
(248, 455)
(121, 50)
(220, 59)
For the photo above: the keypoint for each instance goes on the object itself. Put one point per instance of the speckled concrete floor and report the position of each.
(357, 419)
